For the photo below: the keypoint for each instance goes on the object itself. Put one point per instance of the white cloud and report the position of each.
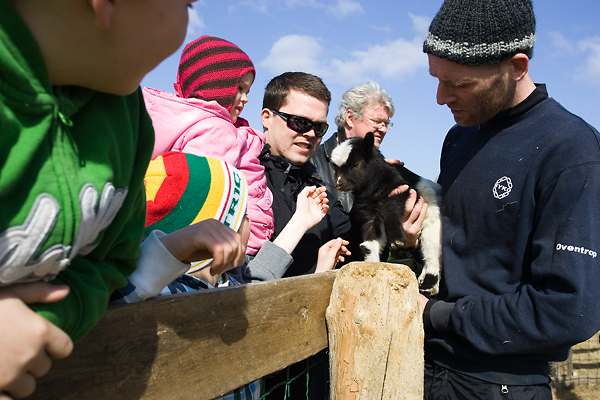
(262, 6)
(386, 28)
(195, 25)
(344, 8)
(295, 53)
(420, 23)
(394, 60)
(561, 45)
(585, 53)
(302, 3)
(589, 71)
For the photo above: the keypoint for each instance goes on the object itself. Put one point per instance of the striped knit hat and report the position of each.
(481, 32)
(210, 69)
(182, 189)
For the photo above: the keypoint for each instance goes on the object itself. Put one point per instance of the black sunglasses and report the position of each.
(303, 125)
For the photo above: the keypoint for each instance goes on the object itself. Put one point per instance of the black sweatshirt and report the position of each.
(521, 237)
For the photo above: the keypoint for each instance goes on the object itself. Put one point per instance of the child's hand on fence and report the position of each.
(28, 341)
(312, 205)
(207, 239)
(331, 253)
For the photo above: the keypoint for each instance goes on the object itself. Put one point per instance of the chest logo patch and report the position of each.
(503, 187)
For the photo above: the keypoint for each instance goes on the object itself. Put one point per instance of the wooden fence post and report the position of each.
(375, 333)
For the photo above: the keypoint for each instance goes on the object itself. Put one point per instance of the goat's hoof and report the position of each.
(397, 245)
(429, 284)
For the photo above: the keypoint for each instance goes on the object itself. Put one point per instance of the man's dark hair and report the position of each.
(276, 92)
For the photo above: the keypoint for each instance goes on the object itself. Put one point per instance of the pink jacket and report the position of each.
(205, 128)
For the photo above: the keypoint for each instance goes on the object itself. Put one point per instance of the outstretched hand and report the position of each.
(331, 253)
(414, 214)
(207, 239)
(28, 341)
(312, 205)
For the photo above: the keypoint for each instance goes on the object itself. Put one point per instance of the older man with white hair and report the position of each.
(364, 108)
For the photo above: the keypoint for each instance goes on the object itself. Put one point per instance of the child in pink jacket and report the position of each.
(213, 81)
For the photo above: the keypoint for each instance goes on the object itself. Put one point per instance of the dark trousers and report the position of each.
(445, 384)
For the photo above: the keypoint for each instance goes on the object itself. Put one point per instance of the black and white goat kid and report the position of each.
(362, 170)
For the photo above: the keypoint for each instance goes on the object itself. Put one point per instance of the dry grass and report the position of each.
(577, 393)
(580, 373)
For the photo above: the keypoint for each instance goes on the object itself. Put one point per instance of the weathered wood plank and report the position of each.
(199, 344)
(375, 333)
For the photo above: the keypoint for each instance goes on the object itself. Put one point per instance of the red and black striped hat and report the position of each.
(210, 69)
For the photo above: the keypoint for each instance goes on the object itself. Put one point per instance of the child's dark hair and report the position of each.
(277, 90)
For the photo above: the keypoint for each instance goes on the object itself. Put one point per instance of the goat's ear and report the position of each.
(368, 142)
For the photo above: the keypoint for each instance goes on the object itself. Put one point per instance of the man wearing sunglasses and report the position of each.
(294, 118)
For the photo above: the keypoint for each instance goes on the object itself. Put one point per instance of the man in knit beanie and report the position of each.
(519, 178)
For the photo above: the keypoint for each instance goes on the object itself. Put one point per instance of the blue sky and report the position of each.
(347, 42)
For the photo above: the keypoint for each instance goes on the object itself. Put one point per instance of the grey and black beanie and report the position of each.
(481, 32)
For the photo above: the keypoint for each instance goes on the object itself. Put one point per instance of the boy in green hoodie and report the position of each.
(75, 142)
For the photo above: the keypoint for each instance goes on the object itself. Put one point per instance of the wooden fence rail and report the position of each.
(200, 344)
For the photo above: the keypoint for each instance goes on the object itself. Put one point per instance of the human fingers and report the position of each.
(423, 301)
(400, 189)
(189, 244)
(394, 162)
(412, 224)
(29, 342)
(59, 346)
(341, 254)
(226, 253)
(327, 256)
(206, 239)
(220, 239)
(35, 292)
(320, 201)
(344, 249)
(4, 396)
(422, 213)
(331, 246)
(40, 365)
(308, 191)
(410, 204)
(414, 208)
(21, 386)
(321, 194)
(321, 191)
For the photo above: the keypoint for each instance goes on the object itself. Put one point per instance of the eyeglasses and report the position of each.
(379, 122)
(303, 125)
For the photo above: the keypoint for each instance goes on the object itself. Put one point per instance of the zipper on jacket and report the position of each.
(64, 119)
(61, 141)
